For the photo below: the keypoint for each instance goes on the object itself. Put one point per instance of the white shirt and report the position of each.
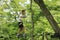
(19, 16)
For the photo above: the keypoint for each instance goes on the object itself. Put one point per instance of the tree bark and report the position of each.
(48, 15)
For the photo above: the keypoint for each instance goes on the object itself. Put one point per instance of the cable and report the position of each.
(32, 21)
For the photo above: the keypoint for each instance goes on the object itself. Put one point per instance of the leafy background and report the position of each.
(8, 22)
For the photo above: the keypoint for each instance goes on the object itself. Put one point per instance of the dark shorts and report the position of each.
(20, 24)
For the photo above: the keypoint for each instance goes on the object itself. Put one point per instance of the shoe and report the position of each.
(18, 35)
(24, 35)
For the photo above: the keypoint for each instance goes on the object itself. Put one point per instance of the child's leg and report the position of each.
(22, 30)
(19, 31)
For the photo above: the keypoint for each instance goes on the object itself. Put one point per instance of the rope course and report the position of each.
(49, 18)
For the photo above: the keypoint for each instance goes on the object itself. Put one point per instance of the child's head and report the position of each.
(23, 12)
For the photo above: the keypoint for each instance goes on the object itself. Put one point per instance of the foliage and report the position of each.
(9, 24)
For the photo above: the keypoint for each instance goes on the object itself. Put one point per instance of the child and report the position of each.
(21, 28)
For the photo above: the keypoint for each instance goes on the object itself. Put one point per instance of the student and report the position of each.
(21, 28)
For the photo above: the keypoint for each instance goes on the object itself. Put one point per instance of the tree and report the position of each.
(48, 16)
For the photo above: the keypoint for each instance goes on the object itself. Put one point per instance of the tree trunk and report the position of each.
(48, 16)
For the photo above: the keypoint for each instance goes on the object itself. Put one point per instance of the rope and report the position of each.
(32, 21)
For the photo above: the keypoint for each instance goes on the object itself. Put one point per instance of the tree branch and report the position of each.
(48, 15)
